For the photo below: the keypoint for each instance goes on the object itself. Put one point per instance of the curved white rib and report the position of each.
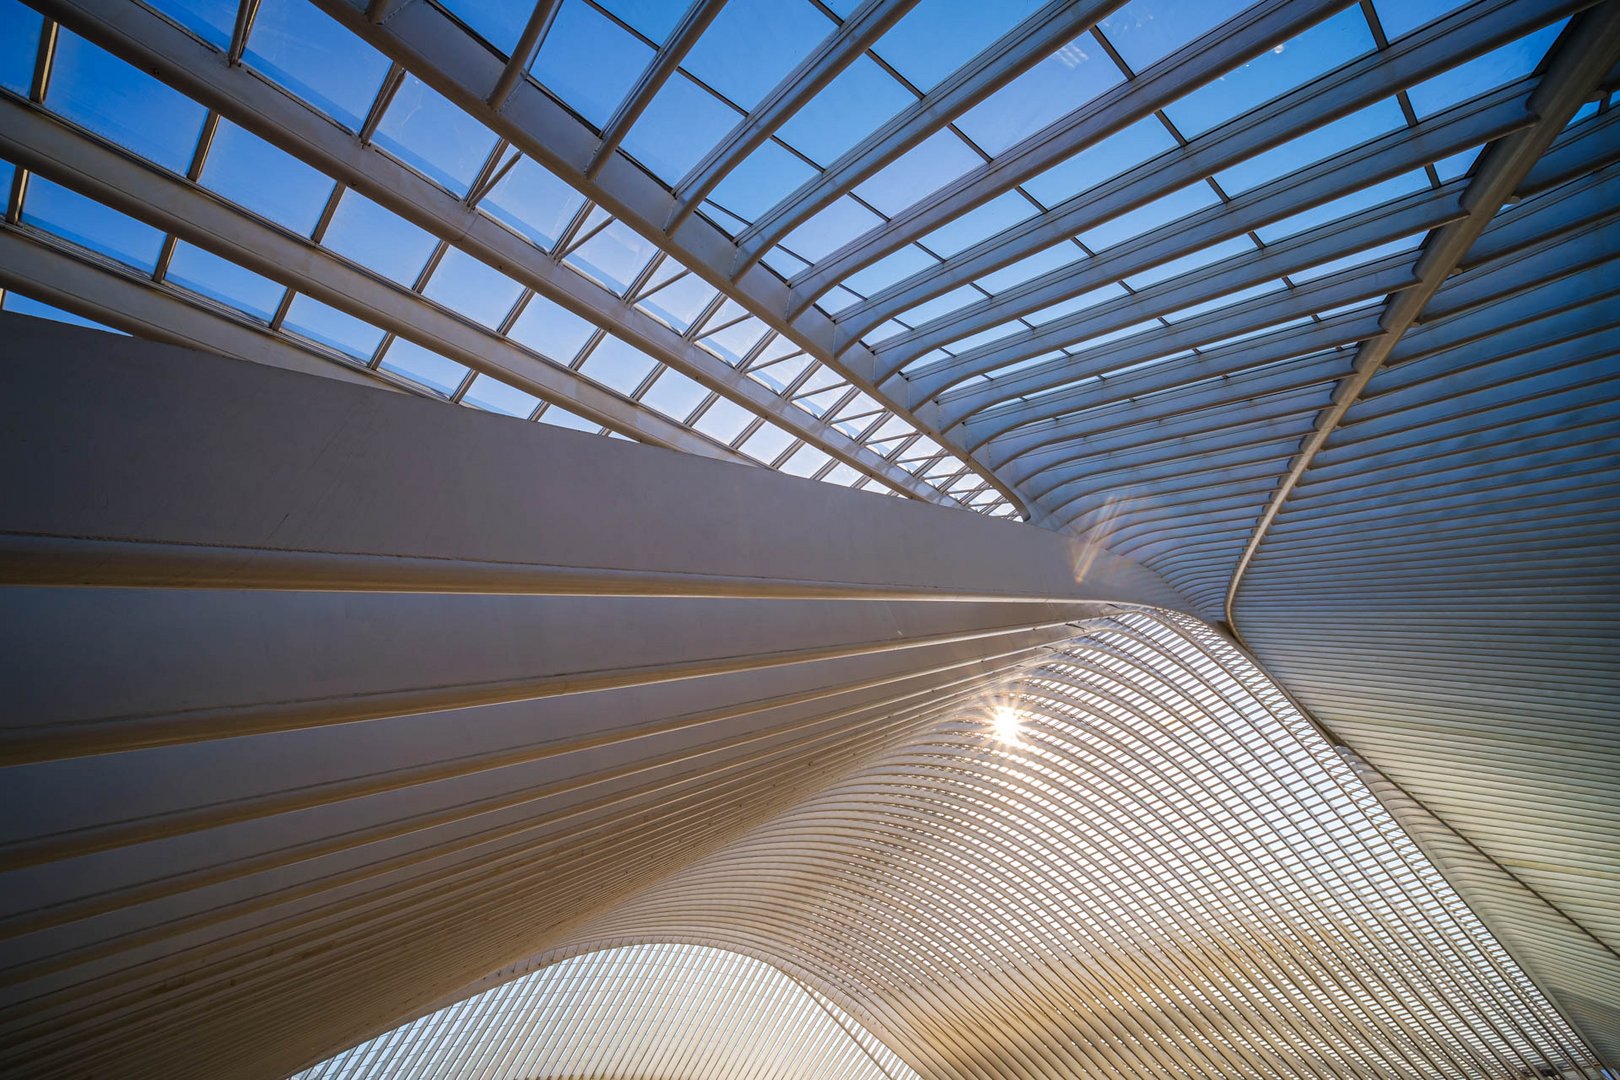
(667, 1010)
(1162, 871)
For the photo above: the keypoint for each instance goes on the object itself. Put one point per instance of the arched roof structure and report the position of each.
(1294, 318)
(1139, 860)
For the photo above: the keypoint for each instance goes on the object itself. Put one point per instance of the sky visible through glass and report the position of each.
(1029, 296)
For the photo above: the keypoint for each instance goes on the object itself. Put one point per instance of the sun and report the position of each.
(1005, 723)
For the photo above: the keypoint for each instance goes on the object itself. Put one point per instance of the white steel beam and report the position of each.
(1583, 56)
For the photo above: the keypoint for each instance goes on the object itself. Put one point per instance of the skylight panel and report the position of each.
(1237, 245)
(984, 220)
(618, 364)
(936, 37)
(18, 304)
(1153, 215)
(98, 91)
(1400, 17)
(652, 18)
(895, 266)
(533, 202)
(723, 420)
(332, 328)
(943, 304)
(832, 228)
(753, 44)
(678, 127)
(928, 166)
(1329, 140)
(1053, 88)
(207, 274)
(806, 461)
(557, 416)
(589, 61)
(1498, 67)
(845, 476)
(1455, 165)
(857, 101)
(19, 45)
(378, 239)
(273, 184)
(679, 302)
(211, 20)
(470, 288)
(675, 395)
(1031, 266)
(779, 376)
(1146, 31)
(1225, 300)
(614, 257)
(1336, 40)
(1359, 258)
(733, 342)
(499, 22)
(492, 395)
(761, 180)
(1344, 206)
(1124, 149)
(423, 366)
(432, 136)
(90, 224)
(767, 443)
(299, 47)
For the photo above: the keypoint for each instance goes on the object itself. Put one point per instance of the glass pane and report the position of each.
(938, 36)
(680, 124)
(618, 364)
(853, 105)
(468, 287)
(378, 239)
(551, 330)
(91, 225)
(1334, 41)
(96, 89)
(423, 366)
(1052, 88)
(675, 395)
(1496, 68)
(532, 201)
(212, 20)
(753, 44)
(492, 395)
(19, 45)
(1145, 31)
(220, 279)
(333, 328)
(616, 256)
(432, 136)
(296, 45)
(251, 173)
(589, 61)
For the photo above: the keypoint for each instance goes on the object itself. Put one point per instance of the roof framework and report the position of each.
(1293, 303)
(1048, 885)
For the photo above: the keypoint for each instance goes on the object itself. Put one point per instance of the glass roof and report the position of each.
(959, 210)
